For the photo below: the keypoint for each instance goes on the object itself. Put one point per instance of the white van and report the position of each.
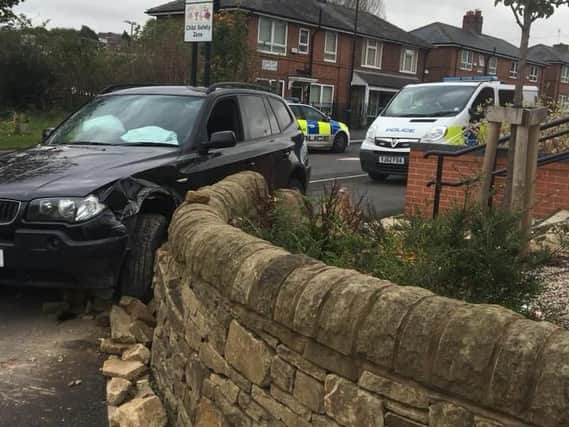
(437, 113)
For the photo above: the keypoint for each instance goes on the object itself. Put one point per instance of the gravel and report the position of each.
(553, 304)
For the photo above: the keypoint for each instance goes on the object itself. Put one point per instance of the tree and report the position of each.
(375, 7)
(88, 33)
(526, 13)
(6, 13)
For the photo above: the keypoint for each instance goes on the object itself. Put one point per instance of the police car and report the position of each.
(320, 130)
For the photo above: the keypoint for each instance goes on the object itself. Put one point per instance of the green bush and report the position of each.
(465, 253)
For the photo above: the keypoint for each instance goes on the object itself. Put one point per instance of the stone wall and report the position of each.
(250, 335)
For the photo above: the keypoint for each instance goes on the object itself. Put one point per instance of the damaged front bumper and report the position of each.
(49, 258)
(88, 255)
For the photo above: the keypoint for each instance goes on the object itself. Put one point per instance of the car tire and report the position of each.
(296, 184)
(138, 269)
(376, 176)
(340, 143)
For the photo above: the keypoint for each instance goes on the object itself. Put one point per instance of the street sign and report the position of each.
(199, 21)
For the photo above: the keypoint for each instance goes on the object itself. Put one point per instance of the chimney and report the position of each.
(473, 21)
(561, 47)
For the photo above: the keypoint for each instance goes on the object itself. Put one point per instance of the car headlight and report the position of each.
(65, 209)
(435, 134)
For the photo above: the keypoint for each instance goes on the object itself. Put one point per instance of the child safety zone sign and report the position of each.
(199, 21)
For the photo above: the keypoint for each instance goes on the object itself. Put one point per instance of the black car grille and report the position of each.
(395, 142)
(8, 211)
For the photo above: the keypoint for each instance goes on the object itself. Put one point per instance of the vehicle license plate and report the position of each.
(392, 160)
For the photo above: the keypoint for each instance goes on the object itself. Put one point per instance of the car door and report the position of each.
(197, 170)
(318, 126)
(266, 147)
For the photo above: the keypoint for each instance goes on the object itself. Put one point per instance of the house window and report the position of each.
(272, 36)
(303, 41)
(408, 63)
(330, 46)
(275, 86)
(564, 101)
(466, 59)
(372, 53)
(533, 73)
(322, 97)
(481, 61)
(492, 65)
(565, 74)
(514, 70)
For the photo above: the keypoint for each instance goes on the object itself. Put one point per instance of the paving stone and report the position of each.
(346, 403)
(249, 355)
(118, 391)
(137, 352)
(120, 326)
(129, 370)
(147, 412)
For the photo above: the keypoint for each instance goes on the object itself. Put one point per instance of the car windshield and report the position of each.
(131, 120)
(430, 101)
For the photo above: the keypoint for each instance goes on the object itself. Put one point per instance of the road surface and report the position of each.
(385, 198)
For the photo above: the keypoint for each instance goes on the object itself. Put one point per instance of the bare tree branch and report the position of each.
(375, 7)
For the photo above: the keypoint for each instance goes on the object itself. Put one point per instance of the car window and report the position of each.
(506, 97)
(312, 114)
(281, 112)
(130, 120)
(256, 119)
(298, 111)
(484, 99)
(225, 117)
(272, 119)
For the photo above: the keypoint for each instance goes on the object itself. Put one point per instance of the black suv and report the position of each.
(91, 204)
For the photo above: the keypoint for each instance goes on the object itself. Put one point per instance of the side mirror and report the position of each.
(327, 119)
(223, 139)
(46, 133)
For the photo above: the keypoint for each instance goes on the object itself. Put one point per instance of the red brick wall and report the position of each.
(552, 187)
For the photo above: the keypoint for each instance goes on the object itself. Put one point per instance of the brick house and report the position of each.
(303, 50)
(467, 51)
(555, 84)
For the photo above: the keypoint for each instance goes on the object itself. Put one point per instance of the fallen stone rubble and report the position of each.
(131, 400)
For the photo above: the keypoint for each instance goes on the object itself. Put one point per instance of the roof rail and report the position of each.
(123, 86)
(471, 79)
(237, 85)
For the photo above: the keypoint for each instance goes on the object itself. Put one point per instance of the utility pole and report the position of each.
(354, 42)
(132, 25)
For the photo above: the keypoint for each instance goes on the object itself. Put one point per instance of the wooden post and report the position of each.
(519, 171)
(532, 153)
(489, 162)
(506, 203)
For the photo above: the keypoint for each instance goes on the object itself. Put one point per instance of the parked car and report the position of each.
(436, 113)
(320, 130)
(90, 205)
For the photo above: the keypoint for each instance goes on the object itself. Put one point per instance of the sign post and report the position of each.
(199, 28)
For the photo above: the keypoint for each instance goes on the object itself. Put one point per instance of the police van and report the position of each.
(437, 113)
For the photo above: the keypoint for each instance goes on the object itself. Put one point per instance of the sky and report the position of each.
(109, 15)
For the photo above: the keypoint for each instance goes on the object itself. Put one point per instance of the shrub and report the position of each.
(465, 254)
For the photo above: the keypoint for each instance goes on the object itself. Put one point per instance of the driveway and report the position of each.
(39, 359)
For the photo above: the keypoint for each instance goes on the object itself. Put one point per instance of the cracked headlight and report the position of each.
(65, 209)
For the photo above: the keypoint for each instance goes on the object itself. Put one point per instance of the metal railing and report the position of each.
(439, 183)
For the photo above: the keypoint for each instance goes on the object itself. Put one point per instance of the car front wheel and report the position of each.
(340, 143)
(138, 270)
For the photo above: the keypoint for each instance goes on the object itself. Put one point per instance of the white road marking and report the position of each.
(338, 178)
(357, 141)
(348, 159)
